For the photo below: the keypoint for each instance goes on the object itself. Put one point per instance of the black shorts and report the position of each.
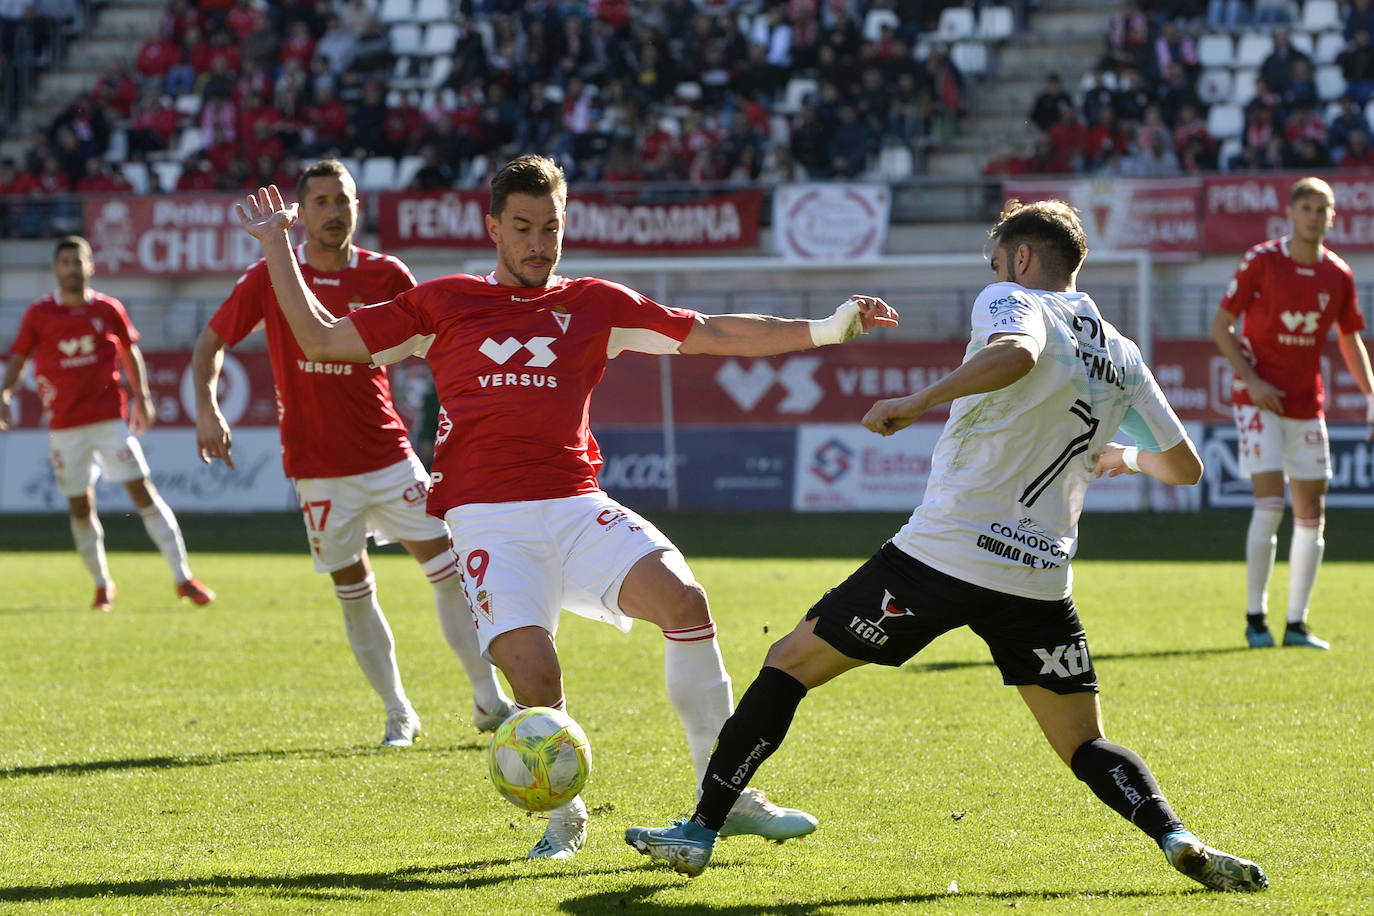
(894, 606)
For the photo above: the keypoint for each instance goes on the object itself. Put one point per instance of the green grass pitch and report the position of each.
(167, 758)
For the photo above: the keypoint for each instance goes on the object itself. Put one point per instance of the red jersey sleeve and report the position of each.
(1349, 320)
(27, 338)
(1246, 283)
(642, 325)
(122, 327)
(241, 314)
(395, 330)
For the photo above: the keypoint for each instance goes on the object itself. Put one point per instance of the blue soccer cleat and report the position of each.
(685, 847)
(1211, 867)
(1259, 638)
(1296, 635)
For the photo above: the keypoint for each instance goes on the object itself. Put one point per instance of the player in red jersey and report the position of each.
(515, 356)
(1289, 292)
(77, 339)
(345, 446)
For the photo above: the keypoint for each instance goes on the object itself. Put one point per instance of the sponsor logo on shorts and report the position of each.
(1065, 661)
(482, 602)
(612, 518)
(416, 493)
(871, 631)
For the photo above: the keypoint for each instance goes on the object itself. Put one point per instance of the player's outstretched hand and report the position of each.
(1110, 461)
(264, 214)
(213, 439)
(874, 312)
(892, 414)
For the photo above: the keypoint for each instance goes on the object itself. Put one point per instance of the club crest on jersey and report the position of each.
(871, 631)
(1323, 299)
(561, 316)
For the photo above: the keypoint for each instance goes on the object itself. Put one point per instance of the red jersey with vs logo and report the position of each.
(336, 419)
(514, 368)
(75, 352)
(1288, 309)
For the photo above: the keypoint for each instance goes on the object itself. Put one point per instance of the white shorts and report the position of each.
(81, 454)
(388, 505)
(523, 561)
(1269, 442)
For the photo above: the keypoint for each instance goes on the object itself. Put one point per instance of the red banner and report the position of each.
(1243, 211)
(168, 235)
(1159, 215)
(454, 219)
(839, 384)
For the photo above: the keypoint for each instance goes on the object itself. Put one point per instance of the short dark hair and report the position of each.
(71, 241)
(1050, 227)
(532, 175)
(324, 168)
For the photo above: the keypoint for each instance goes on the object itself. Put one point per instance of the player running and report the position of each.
(345, 447)
(77, 339)
(515, 356)
(1044, 385)
(1289, 291)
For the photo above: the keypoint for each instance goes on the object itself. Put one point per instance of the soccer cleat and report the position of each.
(685, 847)
(1296, 635)
(1212, 867)
(487, 721)
(754, 814)
(1259, 638)
(193, 589)
(402, 728)
(104, 598)
(566, 833)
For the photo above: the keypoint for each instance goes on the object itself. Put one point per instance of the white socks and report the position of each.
(456, 621)
(162, 528)
(1261, 543)
(698, 688)
(90, 545)
(370, 636)
(1304, 559)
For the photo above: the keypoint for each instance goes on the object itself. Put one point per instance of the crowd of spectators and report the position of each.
(1138, 112)
(615, 90)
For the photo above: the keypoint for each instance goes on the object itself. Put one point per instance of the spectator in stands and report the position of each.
(154, 124)
(1045, 110)
(1176, 93)
(1099, 91)
(1356, 154)
(1259, 126)
(779, 167)
(435, 172)
(1308, 155)
(1274, 12)
(1130, 98)
(1198, 155)
(1128, 37)
(1350, 118)
(1277, 68)
(1227, 14)
(1104, 139)
(336, 45)
(1304, 123)
(851, 145)
(1069, 137)
(810, 143)
(1153, 157)
(1173, 48)
(1356, 61)
(1043, 159)
(260, 47)
(1359, 14)
(1302, 89)
(117, 89)
(372, 56)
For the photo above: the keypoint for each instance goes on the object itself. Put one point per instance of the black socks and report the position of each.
(1123, 781)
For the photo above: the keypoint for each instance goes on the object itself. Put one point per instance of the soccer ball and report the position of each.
(540, 759)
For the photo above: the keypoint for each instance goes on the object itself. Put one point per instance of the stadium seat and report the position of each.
(1231, 147)
(354, 166)
(187, 142)
(876, 19)
(1330, 82)
(1329, 45)
(440, 37)
(996, 23)
(1302, 41)
(956, 24)
(1216, 50)
(188, 104)
(1225, 121)
(1253, 48)
(1369, 113)
(395, 11)
(798, 88)
(433, 11)
(970, 57)
(1243, 85)
(168, 172)
(1214, 85)
(379, 174)
(406, 167)
(440, 68)
(895, 163)
(405, 39)
(475, 171)
(118, 150)
(1319, 15)
(136, 173)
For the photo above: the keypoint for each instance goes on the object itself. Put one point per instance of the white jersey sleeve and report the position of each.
(1007, 308)
(1150, 421)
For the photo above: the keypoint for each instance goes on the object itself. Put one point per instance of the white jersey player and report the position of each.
(1043, 387)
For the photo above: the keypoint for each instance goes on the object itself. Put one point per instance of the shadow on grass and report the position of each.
(643, 900)
(928, 667)
(170, 762)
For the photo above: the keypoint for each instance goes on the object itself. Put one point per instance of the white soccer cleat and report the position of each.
(566, 833)
(1211, 867)
(486, 721)
(402, 728)
(755, 815)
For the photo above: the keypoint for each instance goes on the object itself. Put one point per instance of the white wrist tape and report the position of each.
(1130, 456)
(841, 327)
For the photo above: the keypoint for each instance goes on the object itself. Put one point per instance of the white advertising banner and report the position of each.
(257, 482)
(830, 222)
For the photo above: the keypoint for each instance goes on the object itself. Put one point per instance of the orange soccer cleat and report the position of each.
(104, 598)
(193, 589)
